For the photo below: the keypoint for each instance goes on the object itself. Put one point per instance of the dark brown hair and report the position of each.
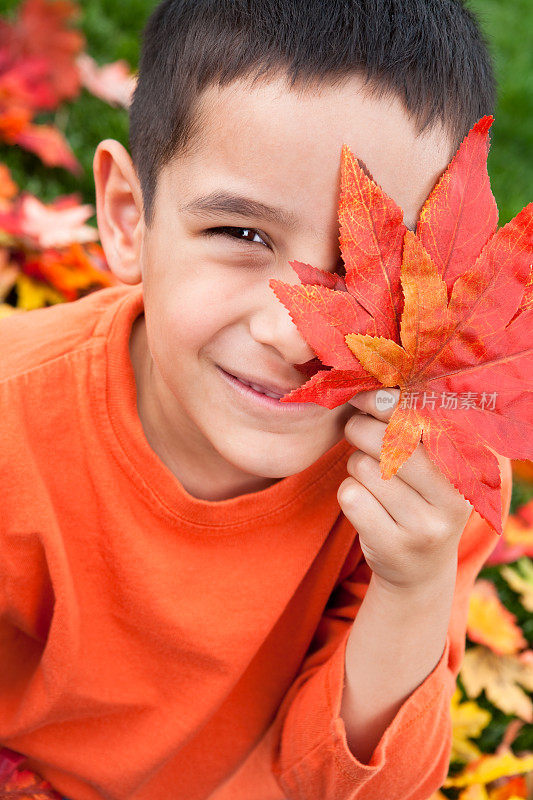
(430, 53)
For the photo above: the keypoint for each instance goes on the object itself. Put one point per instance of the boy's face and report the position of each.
(209, 310)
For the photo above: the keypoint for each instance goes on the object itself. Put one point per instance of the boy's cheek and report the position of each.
(180, 322)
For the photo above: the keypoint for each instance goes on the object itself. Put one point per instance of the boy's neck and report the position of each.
(200, 469)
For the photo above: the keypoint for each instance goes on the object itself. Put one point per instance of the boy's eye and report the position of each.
(234, 233)
(230, 231)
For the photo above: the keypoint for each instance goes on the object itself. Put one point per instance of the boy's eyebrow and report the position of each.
(221, 202)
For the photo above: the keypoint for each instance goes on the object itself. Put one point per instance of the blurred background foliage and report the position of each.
(112, 29)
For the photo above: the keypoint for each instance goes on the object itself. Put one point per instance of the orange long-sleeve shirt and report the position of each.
(154, 645)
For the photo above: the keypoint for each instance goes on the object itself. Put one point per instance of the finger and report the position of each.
(402, 502)
(379, 403)
(364, 511)
(419, 471)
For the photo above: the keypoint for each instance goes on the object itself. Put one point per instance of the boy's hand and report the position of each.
(410, 525)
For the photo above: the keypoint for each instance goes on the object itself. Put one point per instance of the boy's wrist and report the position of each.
(434, 585)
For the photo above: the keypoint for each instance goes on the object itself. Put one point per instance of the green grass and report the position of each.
(112, 29)
(507, 26)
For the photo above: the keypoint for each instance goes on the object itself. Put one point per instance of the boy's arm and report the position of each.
(406, 750)
(396, 641)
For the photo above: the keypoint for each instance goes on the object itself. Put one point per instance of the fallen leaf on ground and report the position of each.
(502, 677)
(490, 622)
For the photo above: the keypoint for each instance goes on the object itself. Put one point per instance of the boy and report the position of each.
(207, 593)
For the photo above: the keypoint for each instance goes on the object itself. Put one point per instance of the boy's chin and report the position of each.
(280, 462)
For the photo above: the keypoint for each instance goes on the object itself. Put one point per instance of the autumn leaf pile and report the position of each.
(49, 254)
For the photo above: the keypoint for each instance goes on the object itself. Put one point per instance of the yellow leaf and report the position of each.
(474, 792)
(491, 767)
(32, 294)
(490, 623)
(501, 678)
(383, 358)
(521, 583)
(468, 720)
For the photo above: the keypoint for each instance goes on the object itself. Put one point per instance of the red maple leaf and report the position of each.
(26, 84)
(43, 30)
(448, 312)
(50, 145)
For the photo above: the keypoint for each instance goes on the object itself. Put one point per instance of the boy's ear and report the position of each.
(118, 210)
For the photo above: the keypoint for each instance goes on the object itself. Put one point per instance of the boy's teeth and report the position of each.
(260, 389)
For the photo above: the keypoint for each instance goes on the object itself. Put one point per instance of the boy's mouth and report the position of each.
(271, 390)
(264, 395)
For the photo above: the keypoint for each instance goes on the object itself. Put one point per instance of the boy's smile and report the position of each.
(206, 262)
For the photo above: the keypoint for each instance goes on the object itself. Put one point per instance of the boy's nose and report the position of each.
(272, 325)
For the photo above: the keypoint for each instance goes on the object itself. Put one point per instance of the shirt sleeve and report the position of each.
(411, 760)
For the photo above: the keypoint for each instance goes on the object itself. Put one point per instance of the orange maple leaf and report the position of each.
(513, 788)
(72, 271)
(444, 313)
(372, 231)
(454, 352)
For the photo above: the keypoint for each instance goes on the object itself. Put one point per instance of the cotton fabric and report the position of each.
(154, 645)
